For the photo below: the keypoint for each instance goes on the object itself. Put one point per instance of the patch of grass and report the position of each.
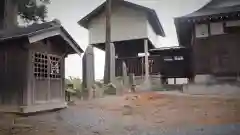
(110, 89)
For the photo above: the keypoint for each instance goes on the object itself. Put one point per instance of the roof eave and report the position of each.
(161, 32)
(73, 41)
(83, 23)
(43, 31)
(85, 20)
(158, 29)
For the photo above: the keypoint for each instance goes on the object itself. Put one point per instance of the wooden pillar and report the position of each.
(132, 82)
(109, 71)
(175, 81)
(124, 74)
(191, 80)
(28, 92)
(9, 15)
(163, 80)
(146, 60)
(108, 47)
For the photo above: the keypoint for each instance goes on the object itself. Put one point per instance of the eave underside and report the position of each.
(129, 48)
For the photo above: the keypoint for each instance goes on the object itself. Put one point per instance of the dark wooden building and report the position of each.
(212, 33)
(172, 62)
(166, 63)
(32, 67)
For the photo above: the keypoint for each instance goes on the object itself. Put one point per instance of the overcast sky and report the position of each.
(71, 11)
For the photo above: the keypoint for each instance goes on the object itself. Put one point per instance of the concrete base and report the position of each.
(210, 85)
(145, 86)
(32, 108)
(154, 82)
(203, 79)
(9, 109)
(43, 107)
(217, 89)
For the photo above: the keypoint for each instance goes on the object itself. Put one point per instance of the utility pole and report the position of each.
(107, 69)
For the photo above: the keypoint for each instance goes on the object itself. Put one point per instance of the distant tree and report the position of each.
(32, 10)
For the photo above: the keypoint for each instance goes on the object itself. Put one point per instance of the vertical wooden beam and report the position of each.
(107, 69)
(108, 21)
(192, 56)
(28, 95)
(10, 14)
(49, 73)
(62, 66)
(146, 60)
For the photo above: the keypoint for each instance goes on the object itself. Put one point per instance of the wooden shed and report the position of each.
(32, 67)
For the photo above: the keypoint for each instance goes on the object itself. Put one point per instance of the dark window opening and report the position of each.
(46, 66)
(40, 66)
(55, 67)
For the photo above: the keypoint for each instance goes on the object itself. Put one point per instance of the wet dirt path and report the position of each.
(141, 114)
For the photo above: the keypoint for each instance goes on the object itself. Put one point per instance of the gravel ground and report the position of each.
(141, 114)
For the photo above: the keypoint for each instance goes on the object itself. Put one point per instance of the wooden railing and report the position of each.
(136, 65)
(157, 65)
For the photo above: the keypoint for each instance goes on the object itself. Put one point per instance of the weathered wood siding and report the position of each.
(217, 54)
(2, 3)
(13, 59)
(127, 24)
(157, 65)
(10, 15)
(48, 89)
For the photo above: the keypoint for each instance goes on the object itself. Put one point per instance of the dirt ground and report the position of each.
(133, 114)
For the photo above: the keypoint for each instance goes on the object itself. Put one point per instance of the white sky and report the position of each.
(71, 11)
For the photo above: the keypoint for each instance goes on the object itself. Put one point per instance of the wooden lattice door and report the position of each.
(47, 77)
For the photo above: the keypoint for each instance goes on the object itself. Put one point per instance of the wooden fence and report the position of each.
(174, 68)
(136, 65)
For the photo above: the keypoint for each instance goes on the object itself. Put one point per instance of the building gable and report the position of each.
(127, 24)
(216, 12)
(151, 16)
(37, 32)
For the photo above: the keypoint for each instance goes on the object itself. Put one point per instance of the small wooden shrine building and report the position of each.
(134, 29)
(32, 67)
(212, 33)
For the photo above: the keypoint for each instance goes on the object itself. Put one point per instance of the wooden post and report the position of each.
(108, 22)
(107, 69)
(146, 60)
(132, 82)
(10, 13)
